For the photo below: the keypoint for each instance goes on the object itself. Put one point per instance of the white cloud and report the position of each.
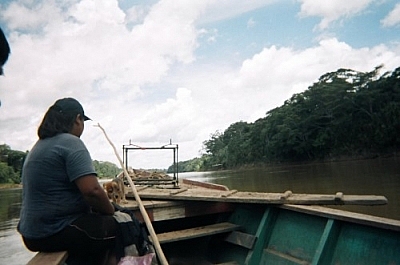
(91, 48)
(331, 11)
(136, 14)
(286, 66)
(393, 18)
(85, 50)
(35, 15)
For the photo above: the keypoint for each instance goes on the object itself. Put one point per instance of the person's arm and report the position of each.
(94, 194)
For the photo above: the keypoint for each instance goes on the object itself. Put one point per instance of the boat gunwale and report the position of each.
(347, 216)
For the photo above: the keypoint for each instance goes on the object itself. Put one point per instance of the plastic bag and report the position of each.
(141, 260)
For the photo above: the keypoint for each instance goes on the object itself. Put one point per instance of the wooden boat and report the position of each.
(211, 229)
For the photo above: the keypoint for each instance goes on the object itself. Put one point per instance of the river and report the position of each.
(376, 176)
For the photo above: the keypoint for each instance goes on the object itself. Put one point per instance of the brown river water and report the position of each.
(361, 177)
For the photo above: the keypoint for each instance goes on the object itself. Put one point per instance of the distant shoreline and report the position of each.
(19, 186)
(10, 186)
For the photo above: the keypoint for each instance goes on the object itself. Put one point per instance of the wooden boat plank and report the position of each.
(197, 232)
(241, 239)
(229, 193)
(149, 204)
(286, 257)
(259, 197)
(54, 258)
(341, 215)
(194, 183)
(168, 210)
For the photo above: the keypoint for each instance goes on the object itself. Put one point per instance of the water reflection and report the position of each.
(12, 250)
(10, 204)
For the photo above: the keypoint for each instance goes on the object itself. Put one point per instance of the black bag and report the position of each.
(134, 232)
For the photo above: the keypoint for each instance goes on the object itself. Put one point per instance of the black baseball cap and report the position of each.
(70, 105)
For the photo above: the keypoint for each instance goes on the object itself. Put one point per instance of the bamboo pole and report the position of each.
(145, 216)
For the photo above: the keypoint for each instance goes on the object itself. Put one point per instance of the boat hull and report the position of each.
(271, 234)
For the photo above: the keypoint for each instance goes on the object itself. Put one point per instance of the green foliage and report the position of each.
(345, 113)
(195, 164)
(106, 169)
(11, 162)
(231, 148)
(5, 173)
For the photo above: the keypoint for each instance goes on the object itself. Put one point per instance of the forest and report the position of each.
(11, 162)
(345, 114)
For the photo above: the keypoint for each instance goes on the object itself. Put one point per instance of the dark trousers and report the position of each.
(90, 237)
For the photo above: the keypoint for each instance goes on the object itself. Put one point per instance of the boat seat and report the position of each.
(196, 232)
(49, 258)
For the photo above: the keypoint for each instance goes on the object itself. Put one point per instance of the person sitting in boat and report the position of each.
(63, 205)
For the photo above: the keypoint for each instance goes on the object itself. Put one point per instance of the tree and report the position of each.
(11, 162)
(106, 169)
(345, 112)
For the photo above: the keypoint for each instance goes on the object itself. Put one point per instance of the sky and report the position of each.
(177, 71)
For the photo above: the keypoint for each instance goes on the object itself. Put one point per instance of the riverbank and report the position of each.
(10, 186)
(343, 158)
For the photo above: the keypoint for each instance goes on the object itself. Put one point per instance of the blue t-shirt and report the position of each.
(50, 198)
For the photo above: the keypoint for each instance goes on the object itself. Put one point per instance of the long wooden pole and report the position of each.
(145, 216)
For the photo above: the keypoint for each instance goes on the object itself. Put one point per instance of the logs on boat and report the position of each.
(184, 193)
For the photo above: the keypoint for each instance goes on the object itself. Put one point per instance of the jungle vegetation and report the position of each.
(10, 164)
(345, 114)
(106, 169)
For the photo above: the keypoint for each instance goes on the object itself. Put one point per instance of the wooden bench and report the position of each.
(49, 258)
(233, 236)
(196, 232)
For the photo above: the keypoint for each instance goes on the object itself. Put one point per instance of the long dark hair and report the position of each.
(55, 122)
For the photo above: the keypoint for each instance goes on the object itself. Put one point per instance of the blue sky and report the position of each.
(151, 71)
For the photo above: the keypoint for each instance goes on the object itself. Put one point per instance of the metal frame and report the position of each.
(170, 146)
